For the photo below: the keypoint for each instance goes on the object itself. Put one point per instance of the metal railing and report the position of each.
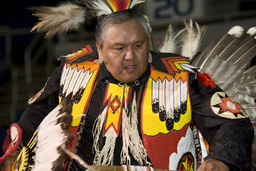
(8, 66)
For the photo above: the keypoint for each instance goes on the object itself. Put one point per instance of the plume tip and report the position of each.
(252, 31)
(236, 31)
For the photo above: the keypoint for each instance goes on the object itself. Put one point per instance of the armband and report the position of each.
(12, 141)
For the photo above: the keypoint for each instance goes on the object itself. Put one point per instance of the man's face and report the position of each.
(125, 50)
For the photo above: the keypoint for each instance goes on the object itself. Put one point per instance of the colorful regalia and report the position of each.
(152, 122)
(173, 117)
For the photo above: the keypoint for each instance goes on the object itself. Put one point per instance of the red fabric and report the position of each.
(160, 144)
(10, 147)
(6, 141)
(71, 146)
(206, 80)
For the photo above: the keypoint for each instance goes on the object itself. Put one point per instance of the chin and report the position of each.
(129, 80)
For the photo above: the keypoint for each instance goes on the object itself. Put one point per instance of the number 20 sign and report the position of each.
(164, 11)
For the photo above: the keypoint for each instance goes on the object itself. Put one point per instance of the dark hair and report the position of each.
(117, 18)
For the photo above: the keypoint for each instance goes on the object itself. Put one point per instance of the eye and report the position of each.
(118, 48)
(138, 45)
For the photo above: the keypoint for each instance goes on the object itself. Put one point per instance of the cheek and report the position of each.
(144, 57)
(114, 65)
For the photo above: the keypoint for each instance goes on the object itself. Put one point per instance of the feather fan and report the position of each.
(209, 53)
(60, 19)
(227, 61)
(53, 135)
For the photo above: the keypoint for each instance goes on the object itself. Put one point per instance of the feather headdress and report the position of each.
(109, 6)
(71, 16)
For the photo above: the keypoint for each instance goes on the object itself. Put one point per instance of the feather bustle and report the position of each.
(218, 46)
(198, 58)
(227, 62)
(242, 50)
(232, 45)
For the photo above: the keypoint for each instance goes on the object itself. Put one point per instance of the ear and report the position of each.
(99, 51)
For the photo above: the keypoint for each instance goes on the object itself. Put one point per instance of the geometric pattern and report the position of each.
(115, 104)
(186, 162)
(223, 106)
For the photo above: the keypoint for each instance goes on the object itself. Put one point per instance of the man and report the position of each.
(140, 107)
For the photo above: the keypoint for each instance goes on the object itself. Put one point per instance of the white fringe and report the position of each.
(130, 135)
(106, 155)
(136, 145)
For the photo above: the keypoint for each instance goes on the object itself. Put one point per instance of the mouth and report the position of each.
(130, 67)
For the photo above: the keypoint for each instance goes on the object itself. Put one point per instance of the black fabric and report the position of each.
(229, 139)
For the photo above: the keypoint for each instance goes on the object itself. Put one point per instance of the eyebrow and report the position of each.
(121, 44)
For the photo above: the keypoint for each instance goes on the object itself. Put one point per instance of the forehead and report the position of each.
(126, 29)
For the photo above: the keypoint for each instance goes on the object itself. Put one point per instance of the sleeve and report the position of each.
(40, 105)
(223, 123)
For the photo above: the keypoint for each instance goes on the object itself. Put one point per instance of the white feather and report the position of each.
(45, 145)
(135, 2)
(188, 67)
(236, 31)
(101, 7)
(169, 44)
(191, 39)
(252, 31)
(60, 19)
(51, 136)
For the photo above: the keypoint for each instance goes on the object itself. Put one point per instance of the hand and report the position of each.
(213, 165)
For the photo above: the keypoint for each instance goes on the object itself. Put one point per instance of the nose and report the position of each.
(130, 54)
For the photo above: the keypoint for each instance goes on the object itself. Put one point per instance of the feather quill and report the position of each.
(228, 50)
(242, 51)
(60, 19)
(217, 46)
